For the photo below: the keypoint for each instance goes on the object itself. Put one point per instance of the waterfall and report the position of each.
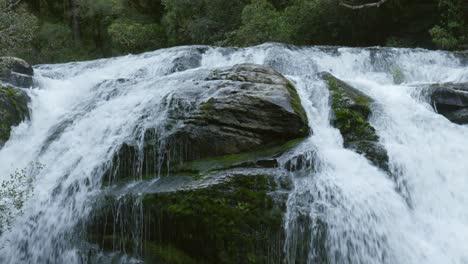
(81, 113)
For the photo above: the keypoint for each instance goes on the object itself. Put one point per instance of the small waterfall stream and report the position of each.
(83, 111)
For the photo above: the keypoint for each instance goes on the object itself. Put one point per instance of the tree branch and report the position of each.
(354, 7)
(11, 5)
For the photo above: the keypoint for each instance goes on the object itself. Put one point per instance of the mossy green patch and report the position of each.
(13, 110)
(297, 106)
(204, 166)
(397, 74)
(234, 221)
(224, 223)
(351, 111)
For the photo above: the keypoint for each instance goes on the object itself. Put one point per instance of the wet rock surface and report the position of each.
(16, 72)
(13, 110)
(351, 113)
(451, 101)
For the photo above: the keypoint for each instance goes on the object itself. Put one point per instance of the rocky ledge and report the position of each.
(221, 198)
(451, 101)
(351, 112)
(233, 116)
(14, 73)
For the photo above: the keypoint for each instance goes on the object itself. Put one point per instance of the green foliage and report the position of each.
(443, 38)
(17, 30)
(58, 31)
(200, 21)
(54, 42)
(130, 36)
(261, 22)
(14, 192)
(451, 33)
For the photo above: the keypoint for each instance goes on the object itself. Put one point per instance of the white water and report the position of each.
(92, 107)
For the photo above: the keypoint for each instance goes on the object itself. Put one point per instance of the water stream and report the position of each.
(82, 112)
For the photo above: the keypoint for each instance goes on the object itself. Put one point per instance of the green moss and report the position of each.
(297, 106)
(352, 120)
(397, 74)
(222, 223)
(351, 109)
(156, 253)
(200, 167)
(207, 105)
(234, 221)
(13, 110)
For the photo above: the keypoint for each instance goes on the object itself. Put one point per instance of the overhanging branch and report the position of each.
(11, 5)
(354, 7)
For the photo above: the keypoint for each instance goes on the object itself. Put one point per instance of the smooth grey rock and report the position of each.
(16, 72)
(235, 110)
(451, 101)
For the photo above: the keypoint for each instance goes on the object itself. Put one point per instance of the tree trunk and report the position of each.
(75, 21)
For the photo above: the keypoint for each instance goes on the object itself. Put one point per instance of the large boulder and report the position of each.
(13, 110)
(234, 111)
(237, 220)
(351, 112)
(451, 101)
(225, 199)
(16, 72)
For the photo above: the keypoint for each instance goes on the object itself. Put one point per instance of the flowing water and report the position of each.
(82, 112)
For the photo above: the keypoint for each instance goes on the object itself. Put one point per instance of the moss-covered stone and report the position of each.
(238, 114)
(235, 221)
(13, 110)
(351, 112)
(16, 72)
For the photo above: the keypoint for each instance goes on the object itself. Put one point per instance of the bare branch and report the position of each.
(354, 7)
(11, 5)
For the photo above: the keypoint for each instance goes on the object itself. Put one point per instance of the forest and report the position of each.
(49, 31)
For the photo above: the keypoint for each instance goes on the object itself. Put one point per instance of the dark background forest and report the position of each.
(49, 31)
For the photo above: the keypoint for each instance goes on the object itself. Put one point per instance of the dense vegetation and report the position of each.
(64, 30)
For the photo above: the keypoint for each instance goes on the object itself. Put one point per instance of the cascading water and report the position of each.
(82, 112)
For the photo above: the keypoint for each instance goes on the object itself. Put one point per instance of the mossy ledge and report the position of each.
(236, 221)
(236, 116)
(350, 115)
(13, 110)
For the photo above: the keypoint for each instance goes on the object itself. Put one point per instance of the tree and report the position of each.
(15, 191)
(17, 28)
(451, 32)
(131, 36)
(261, 22)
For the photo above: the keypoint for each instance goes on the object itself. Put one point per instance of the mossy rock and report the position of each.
(13, 110)
(351, 110)
(230, 114)
(450, 100)
(16, 72)
(239, 220)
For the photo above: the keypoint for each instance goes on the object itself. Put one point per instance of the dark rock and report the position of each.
(253, 106)
(451, 101)
(189, 60)
(13, 110)
(373, 151)
(300, 162)
(238, 220)
(351, 112)
(16, 72)
(242, 109)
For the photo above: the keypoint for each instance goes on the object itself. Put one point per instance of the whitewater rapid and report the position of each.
(81, 112)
